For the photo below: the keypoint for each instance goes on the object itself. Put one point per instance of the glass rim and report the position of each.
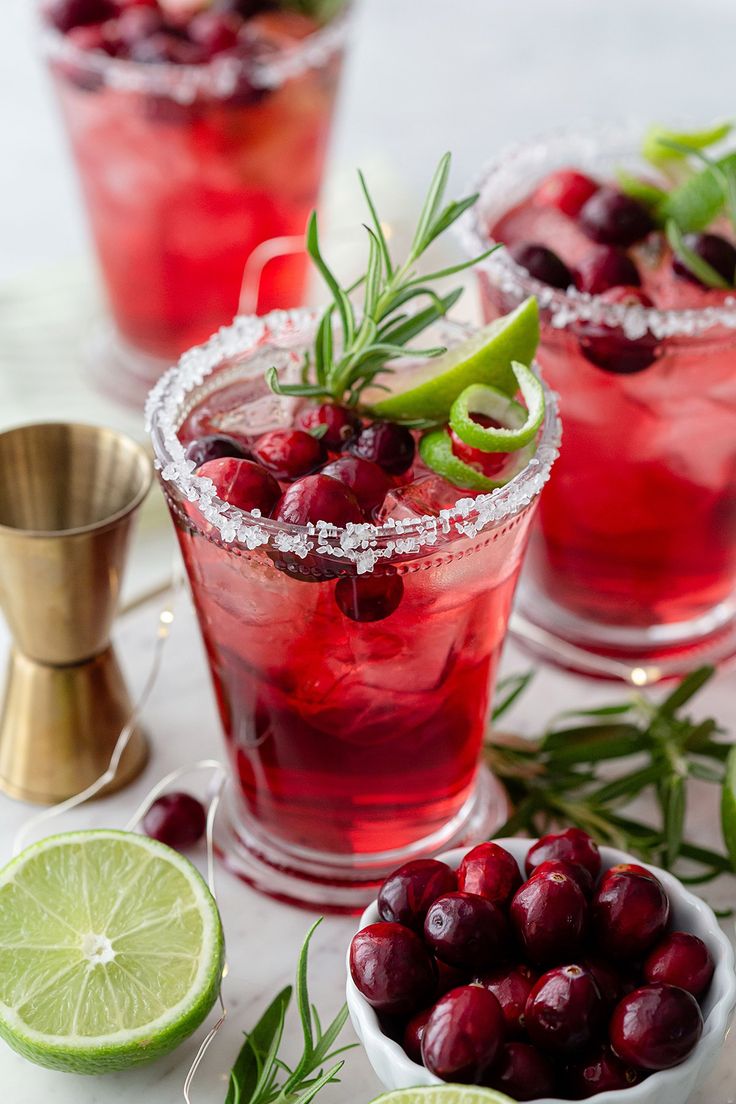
(363, 544)
(215, 78)
(569, 306)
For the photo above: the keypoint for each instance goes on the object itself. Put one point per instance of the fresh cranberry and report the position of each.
(716, 251)
(609, 348)
(612, 984)
(491, 872)
(656, 1027)
(167, 48)
(450, 977)
(567, 190)
(244, 8)
(215, 446)
(681, 959)
(565, 1009)
(542, 264)
(463, 1035)
(550, 916)
(135, 24)
(288, 453)
(630, 912)
(318, 498)
(406, 894)
(339, 422)
(573, 846)
(575, 871)
(214, 31)
(389, 445)
(487, 463)
(392, 969)
(465, 930)
(176, 819)
(242, 483)
(369, 483)
(511, 988)
(606, 267)
(523, 1073)
(413, 1035)
(612, 218)
(366, 598)
(599, 1072)
(65, 14)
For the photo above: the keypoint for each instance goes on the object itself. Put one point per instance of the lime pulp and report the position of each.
(444, 1094)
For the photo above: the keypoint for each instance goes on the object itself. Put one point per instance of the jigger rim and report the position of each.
(109, 520)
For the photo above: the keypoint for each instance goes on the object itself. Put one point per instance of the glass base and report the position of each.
(119, 371)
(343, 883)
(639, 656)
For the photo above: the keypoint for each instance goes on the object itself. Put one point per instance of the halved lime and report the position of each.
(656, 150)
(429, 390)
(728, 807)
(444, 1094)
(111, 951)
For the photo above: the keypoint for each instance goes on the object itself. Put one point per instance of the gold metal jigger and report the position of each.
(68, 498)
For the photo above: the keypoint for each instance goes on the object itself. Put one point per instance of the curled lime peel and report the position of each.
(519, 426)
(435, 449)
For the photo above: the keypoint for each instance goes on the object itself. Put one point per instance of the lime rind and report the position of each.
(522, 424)
(435, 449)
(657, 152)
(444, 1094)
(193, 919)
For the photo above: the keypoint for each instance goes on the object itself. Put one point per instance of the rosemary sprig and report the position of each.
(261, 1076)
(566, 778)
(353, 346)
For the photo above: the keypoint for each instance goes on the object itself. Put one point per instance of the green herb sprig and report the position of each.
(354, 345)
(590, 763)
(261, 1076)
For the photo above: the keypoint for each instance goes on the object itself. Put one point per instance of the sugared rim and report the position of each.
(218, 78)
(504, 177)
(362, 544)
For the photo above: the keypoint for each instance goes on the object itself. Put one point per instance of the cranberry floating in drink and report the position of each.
(354, 622)
(199, 135)
(634, 556)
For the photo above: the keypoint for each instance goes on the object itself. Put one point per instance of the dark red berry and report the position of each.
(167, 48)
(339, 423)
(176, 819)
(214, 31)
(288, 453)
(491, 872)
(367, 598)
(390, 446)
(567, 190)
(656, 1027)
(681, 959)
(406, 894)
(369, 483)
(716, 251)
(629, 912)
(318, 498)
(612, 983)
(613, 218)
(392, 969)
(242, 483)
(66, 14)
(599, 1072)
(606, 267)
(511, 988)
(450, 977)
(565, 1010)
(463, 1035)
(215, 446)
(414, 1033)
(609, 348)
(542, 264)
(522, 1072)
(468, 931)
(487, 463)
(575, 871)
(550, 916)
(573, 846)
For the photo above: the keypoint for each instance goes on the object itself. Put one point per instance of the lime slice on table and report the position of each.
(429, 390)
(728, 807)
(111, 951)
(444, 1094)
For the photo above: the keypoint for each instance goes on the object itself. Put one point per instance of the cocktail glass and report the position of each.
(186, 170)
(355, 745)
(634, 555)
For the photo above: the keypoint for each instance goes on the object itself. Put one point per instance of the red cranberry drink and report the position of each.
(198, 135)
(633, 263)
(352, 573)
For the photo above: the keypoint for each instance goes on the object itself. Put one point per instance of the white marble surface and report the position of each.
(263, 936)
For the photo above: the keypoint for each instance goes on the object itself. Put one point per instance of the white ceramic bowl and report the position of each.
(395, 1070)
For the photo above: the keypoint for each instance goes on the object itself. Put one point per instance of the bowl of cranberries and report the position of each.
(545, 969)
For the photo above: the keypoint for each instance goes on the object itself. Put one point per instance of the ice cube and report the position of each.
(426, 496)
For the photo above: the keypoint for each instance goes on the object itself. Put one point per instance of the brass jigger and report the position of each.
(68, 497)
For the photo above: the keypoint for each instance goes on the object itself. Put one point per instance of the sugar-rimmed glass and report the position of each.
(186, 170)
(354, 746)
(634, 555)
